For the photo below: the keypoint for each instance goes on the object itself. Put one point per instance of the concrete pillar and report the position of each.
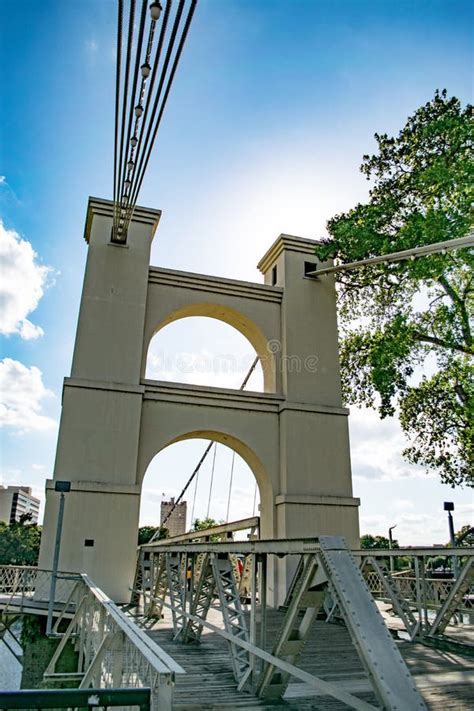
(315, 494)
(100, 423)
(105, 434)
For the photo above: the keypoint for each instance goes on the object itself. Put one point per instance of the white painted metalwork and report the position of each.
(175, 585)
(223, 530)
(424, 250)
(401, 604)
(426, 605)
(113, 651)
(454, 598)
(201, 600)
(391, 680)
(306, 598)
(23, 588)
(232, 613)
(327, 563)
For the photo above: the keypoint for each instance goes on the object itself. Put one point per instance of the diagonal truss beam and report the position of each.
(400, 605)
(387, 671)
(454, 598)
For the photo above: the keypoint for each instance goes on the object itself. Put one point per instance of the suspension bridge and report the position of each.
(307, 620)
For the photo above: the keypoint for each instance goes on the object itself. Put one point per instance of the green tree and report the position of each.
(376, 542)
(407, 341)
(465, 536)
(145, 533)
(19, 542)
(205, 523)
(202, 524)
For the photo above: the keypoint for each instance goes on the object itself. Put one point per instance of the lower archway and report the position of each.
(230, 483)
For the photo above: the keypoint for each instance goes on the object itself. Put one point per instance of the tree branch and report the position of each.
(419, 336)
(461, 308)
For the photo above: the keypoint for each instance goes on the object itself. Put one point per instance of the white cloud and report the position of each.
(200, 367)
(376, 447)
(3, 180)
(22, 392)
(416, 528)
(403, 504)
(22, 286)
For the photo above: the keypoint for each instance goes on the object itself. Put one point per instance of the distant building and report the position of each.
(16, 501)
(176, 524)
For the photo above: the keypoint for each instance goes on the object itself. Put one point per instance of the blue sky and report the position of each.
(273, 106)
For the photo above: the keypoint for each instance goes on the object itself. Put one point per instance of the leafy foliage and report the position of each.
(19, 543)
(407, 326)
(465, 536)
(203, 524)
(376, 542)
(145, 533)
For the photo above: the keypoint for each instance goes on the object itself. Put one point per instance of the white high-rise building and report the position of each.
(16, 501)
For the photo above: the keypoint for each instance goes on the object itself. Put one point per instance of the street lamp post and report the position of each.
(62, 487)
(390, 545)
(449, 506)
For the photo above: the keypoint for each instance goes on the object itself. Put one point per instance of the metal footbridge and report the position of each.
(199, 605)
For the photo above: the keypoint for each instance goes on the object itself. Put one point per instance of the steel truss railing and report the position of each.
(425, 605)
(26, 589)
(196, 576)
(22, 587)
(145, 571)
(112, 651)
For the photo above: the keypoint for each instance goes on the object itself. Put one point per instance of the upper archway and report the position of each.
(206, 352)
(233, 318)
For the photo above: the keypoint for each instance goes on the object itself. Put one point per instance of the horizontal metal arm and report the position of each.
(426, 249)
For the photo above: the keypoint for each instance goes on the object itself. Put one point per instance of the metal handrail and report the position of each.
(160, 660)
(113, 650)
(74, 698)
(22, 585)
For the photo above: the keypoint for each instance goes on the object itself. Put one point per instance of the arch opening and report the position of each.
(226, 488)
(228, 342)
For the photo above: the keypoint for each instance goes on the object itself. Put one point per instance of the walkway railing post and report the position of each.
(262, 594)
(63, 487)
(118, 648)
(253, 614)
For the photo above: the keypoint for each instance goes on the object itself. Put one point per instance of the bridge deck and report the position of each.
(445, 680)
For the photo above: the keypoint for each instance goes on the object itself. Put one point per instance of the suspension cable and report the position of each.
(179, 51)
(131, 20)
(254, 498)
(137, 140)
(143, 148)
(212, 479)
(128, 164)
(195, 472)
(194, 497)
(249, 373)
(230, 486)
(117, 105)
(139, 106)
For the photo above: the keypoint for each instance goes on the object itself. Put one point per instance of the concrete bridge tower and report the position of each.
(294, 436)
